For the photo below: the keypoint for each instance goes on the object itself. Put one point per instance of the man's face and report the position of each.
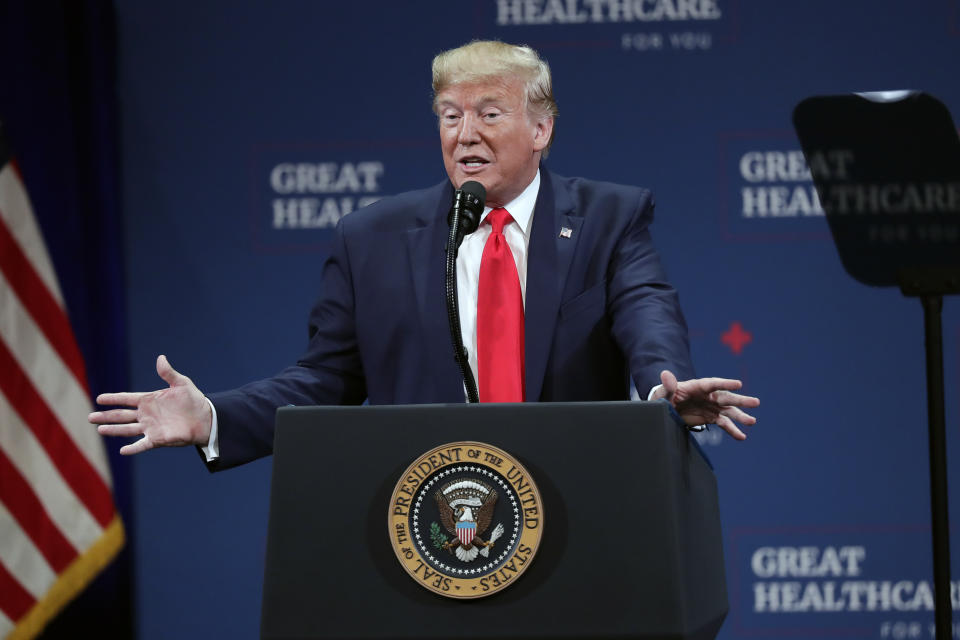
(486, 135)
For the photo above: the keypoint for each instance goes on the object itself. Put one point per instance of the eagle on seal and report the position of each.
(466, 510)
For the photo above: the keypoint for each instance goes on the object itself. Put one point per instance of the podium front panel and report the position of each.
(630, 545)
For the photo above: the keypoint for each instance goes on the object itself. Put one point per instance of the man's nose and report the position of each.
(469, 131)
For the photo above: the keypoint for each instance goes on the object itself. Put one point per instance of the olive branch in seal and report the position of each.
(437, 537)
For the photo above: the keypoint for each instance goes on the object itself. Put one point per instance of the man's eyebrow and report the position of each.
(483, 101)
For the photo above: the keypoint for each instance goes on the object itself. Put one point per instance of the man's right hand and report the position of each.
(172, 417)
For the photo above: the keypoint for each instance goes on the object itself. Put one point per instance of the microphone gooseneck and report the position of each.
(464, 217)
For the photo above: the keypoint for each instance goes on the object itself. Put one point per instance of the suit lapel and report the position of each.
(548, 261)
(426, 250)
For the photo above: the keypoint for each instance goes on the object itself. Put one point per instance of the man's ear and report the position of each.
(543, 129)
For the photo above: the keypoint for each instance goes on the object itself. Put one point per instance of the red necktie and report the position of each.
(499, 318)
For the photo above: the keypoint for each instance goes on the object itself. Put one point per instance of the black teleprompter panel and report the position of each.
(887, 170)
(631, 544)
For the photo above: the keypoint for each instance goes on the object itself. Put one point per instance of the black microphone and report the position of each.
(467, 208)
(464, 218)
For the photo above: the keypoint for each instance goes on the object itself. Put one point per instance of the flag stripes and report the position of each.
(36, 414)
(16, 602)
(28, 567)
(33, 463)
(14, 201)
(45, 372)
(57, 516)
(42, 306)
(27, 510)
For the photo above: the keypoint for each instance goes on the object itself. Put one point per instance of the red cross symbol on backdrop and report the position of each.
(736, 337)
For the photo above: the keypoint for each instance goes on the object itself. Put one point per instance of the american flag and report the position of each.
(58, 524)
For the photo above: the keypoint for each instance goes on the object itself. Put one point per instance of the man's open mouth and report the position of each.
(473, 162)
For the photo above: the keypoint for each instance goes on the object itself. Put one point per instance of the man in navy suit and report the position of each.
(597, 315)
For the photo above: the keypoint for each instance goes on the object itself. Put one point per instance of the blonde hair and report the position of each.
(486, 60)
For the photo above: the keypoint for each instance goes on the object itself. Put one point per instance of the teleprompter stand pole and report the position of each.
(930, 285)
(933, 333)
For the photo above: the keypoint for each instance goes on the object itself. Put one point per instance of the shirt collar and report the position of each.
(521, 207)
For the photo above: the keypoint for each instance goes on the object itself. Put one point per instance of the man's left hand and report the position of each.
(708, 400)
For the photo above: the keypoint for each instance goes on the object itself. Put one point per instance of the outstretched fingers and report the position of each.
(710, 385)
(710, 400)
(128, 430)
(169, 417)
(735, 413)
(728, 399)
(730, 427)
(114, 416)
(125, 399)
(141, 445)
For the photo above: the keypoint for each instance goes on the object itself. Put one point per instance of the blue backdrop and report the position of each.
(825, 507)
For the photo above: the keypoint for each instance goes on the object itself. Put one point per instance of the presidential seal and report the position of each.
(465, 520)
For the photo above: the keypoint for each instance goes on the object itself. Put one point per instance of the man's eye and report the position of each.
(491, 116)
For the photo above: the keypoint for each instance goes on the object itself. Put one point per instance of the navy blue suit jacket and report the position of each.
(598, 311)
